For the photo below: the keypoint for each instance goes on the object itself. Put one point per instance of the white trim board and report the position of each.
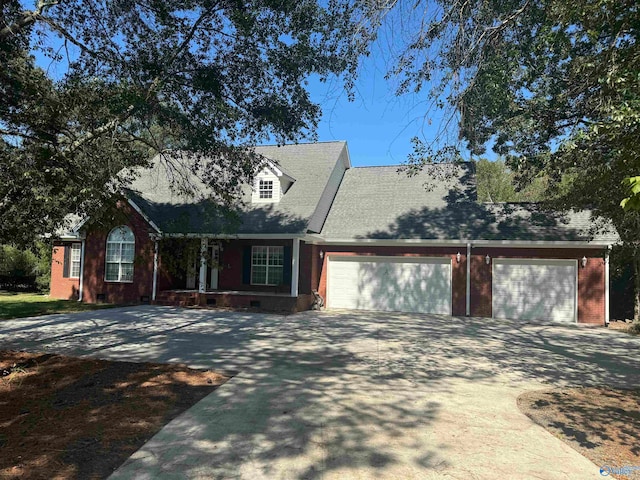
(450, 243)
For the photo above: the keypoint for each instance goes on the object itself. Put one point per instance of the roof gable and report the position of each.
(309, 167)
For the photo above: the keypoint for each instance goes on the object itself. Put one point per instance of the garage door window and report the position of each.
(267, 265)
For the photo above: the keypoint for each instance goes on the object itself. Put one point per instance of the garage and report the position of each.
(535, 289)
(400, 284)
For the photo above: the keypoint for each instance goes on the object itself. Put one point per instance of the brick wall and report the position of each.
(230, 276)
(591, 279)
(94, 269)
(60, 287)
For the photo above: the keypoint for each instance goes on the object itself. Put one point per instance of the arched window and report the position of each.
(121, 246)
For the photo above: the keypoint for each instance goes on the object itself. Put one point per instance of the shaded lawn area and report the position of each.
(603, 424)
(19, 305)
(80, 418)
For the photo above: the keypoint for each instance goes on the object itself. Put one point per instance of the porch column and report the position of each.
(80, 288)
(202, 284)
(606, 285)
(155, 270)
(295, 267)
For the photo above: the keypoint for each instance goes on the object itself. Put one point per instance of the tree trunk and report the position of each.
(636, 289)
(27, 19)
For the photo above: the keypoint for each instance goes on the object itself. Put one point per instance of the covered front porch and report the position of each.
(262, 273)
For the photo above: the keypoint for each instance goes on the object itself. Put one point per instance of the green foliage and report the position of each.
(632, 202)
(124, 79)
(18, 263)
(495, 183)
(552, 86)
(15, 262)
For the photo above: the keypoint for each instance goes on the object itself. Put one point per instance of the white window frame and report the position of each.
(265, 189)
(269, 250)
(74, 260)
(120, 262)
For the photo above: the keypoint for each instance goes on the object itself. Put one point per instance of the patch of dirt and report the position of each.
(602, 424)
(66, 417)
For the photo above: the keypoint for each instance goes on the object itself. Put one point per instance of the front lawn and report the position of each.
(19, 305)
(81, 418)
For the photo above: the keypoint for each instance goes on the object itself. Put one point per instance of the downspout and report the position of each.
(155, 270)
(606, 285)
(80, 288)
(468, 279)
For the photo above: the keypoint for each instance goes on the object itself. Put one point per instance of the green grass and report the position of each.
(19, 305)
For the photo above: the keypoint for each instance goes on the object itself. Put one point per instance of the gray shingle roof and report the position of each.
(310, 165)
(380, 203)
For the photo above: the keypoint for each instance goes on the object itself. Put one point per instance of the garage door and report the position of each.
(390, 284)
(535, 289)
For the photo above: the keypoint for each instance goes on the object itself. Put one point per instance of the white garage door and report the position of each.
(397, 284)
(535, 289)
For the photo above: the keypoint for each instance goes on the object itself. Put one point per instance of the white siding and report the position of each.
(390, 284)
(268, 175)
(535, 289)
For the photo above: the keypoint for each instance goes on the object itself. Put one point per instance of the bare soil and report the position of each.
(65, 417)
(602, 424)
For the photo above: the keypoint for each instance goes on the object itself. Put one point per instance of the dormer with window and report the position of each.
(270, 185)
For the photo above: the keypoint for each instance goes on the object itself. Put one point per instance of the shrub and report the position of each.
(25, 269)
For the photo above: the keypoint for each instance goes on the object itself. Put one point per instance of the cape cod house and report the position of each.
(313, 227)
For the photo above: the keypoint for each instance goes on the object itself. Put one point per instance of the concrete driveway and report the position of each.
(349, 395)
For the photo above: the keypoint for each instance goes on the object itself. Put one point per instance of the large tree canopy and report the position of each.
(113, 81)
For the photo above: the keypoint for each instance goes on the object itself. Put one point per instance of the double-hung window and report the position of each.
(121, 246)
(267, 264)
(71, 267)
(265, 189)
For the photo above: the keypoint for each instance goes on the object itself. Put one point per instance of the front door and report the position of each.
(192, 273)
(214, 260)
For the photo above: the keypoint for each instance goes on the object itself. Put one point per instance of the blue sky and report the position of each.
(378, 126)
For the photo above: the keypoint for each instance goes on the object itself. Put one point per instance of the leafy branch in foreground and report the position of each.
(92, 88)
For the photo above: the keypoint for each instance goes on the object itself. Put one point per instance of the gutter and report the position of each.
(320, 240)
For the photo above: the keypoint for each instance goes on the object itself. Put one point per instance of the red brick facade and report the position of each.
(313, 272)
(95, 287)
(61, 287)
(591, 278)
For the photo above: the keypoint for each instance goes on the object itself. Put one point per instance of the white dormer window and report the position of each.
(265, 189)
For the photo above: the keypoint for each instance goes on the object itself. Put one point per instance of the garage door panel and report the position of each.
(534, 290)
(390, 285)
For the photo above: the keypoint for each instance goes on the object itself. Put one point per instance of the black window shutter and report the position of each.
(246, 266)
(67, 261)
(286, 274)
